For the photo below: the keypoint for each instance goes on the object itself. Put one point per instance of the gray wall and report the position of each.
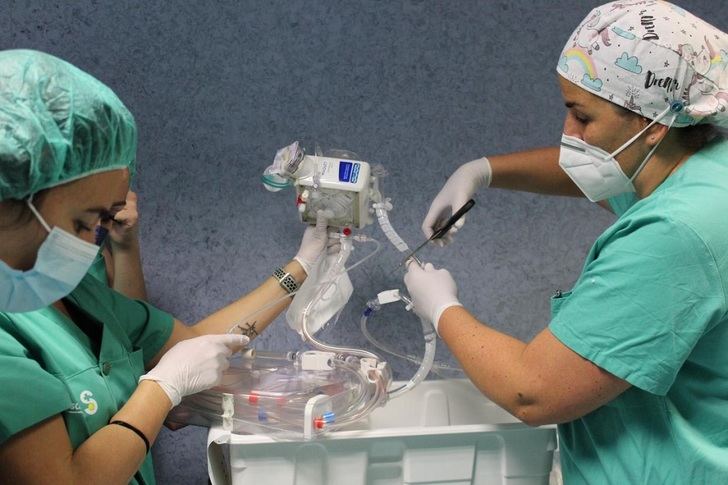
(420, 87)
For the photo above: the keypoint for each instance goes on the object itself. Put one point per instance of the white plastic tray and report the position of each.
(442, 432)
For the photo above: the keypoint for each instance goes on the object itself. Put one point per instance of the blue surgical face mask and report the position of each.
(62, 261)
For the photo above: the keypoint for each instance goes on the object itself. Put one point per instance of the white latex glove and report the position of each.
(432, 291)
(315, 239)
(459, 188)
(195, 365)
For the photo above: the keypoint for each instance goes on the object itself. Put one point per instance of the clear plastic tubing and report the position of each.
(427, 360)
(381, 209)
(372, 307)
(364, 403)
(334, 271)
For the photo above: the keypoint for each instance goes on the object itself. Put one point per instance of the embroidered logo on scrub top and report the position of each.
(91, 404)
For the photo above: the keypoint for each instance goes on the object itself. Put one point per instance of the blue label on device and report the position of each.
(355, 173)
(345, 171)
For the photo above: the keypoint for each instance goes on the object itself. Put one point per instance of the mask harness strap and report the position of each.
(37, 215)
(675, 108)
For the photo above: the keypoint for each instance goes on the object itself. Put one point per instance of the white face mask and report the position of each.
(595, 171)
(62, 261)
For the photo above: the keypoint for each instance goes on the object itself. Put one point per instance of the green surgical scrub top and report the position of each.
(49, 366)
(98, 268)
(650, 307)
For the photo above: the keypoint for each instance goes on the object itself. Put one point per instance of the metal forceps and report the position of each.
(440, 232)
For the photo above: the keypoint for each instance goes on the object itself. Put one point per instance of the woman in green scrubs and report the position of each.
(633, 366)
(87, 374)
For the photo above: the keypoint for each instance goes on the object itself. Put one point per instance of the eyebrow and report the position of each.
(571, 104)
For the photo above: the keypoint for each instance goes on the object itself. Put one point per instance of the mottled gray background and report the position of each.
(420, 87)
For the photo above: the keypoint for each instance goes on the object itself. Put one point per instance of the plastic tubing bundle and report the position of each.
(372, 307)
(382, 209)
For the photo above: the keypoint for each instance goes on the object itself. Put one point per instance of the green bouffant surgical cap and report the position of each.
(57, 124)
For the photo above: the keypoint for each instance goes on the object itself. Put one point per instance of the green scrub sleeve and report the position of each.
(22, 403)
(147, 327)
(151, 331)
(643, 301)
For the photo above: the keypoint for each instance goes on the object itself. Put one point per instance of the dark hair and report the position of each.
(18, 212)
(692, 137)
(696, 136)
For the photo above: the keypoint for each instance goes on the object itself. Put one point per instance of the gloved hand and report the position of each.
(459, 188)
(123, 228)
(315, 239)
(432, 291)
(195, 365)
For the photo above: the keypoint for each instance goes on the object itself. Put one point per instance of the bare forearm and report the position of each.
(127, 276)
(244, 312)
(532, 171)
(114, 453)
(492, 360)
(541, 382)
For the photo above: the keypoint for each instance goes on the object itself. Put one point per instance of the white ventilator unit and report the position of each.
(339, 185)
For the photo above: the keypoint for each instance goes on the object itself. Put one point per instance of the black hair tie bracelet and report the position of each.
(134, 429)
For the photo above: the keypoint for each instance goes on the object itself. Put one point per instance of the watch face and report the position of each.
(289, 283)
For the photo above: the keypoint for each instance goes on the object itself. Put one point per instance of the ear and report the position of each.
(655, 134)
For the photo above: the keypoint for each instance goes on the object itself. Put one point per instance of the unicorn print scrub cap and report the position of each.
(650, 55)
